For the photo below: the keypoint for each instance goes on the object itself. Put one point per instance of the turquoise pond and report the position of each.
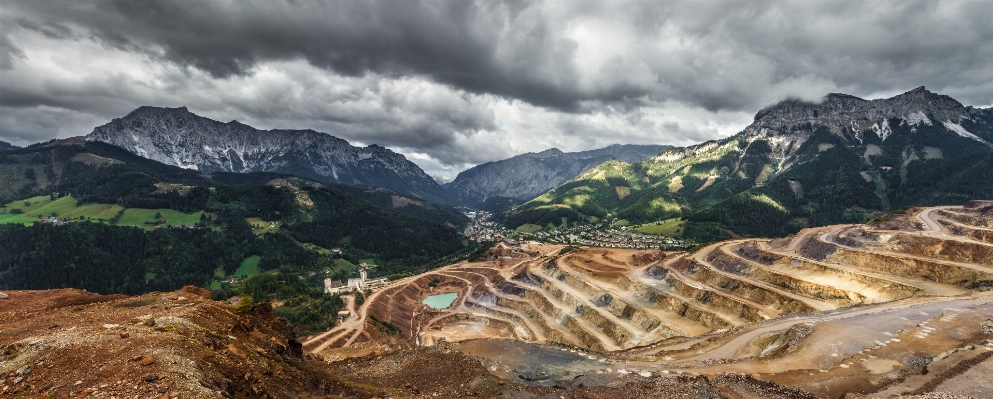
(440, 301)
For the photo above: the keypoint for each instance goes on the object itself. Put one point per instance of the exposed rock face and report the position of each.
(842, 108)
(175, 136)
(860, 122)
(526, 176)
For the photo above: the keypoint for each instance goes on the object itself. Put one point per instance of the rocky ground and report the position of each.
(74, 344)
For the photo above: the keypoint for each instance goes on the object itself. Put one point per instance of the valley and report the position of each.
(538, 199)
(831, 310)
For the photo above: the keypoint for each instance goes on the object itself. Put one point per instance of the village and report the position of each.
(483, 228)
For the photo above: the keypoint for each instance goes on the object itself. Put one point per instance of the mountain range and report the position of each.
(4, 146)
(175, 136)
(798, 164)
(526, 176)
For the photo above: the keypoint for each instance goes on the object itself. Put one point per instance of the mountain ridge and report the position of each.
(799, 164)
(178, 137)
(525, 176)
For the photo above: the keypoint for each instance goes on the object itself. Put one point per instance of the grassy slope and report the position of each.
(737, 182)
(67, 207)
(669, 227)
(138, 217)
(249, 266)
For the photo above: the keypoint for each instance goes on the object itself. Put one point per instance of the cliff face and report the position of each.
(842, 108)
(526, 176)
(175, 136)
(890, 122)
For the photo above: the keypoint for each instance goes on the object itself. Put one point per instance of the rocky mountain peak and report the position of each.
(551, 152)
(844, 109)
(178, 137)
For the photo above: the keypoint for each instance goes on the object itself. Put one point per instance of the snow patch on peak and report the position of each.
(364, 155)
(882, 129)
(958, 129)
(917, 118)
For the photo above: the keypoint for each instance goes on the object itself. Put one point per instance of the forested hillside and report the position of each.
(798, 165)
(111, 224)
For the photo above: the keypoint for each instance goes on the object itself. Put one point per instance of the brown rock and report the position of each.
(150, 322)
(237, 349)
(147, 360)
(125, 335)
(84, 393)
(173, 394)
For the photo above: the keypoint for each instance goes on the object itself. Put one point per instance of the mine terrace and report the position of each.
(831, 310)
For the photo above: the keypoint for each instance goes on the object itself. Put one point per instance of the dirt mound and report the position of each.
(84, 298)
(69, 343)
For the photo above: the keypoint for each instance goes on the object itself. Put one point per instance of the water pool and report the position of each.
(441, 301)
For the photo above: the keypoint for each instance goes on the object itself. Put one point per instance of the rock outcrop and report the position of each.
(843, 109)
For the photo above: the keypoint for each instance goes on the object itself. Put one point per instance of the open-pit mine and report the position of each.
(901, 305)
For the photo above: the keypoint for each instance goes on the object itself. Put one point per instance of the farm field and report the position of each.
(529, 228)
(66, 207)
(670, 227)
(342, 264)
(138, 217)
(248, 267)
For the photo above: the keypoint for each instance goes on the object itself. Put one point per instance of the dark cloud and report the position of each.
(427, 76)
(9, 53)
(717, 54)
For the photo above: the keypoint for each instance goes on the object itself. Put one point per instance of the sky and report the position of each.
(451, 84)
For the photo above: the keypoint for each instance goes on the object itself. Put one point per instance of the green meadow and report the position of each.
(27, 211)
(670, 227)
(248, 267)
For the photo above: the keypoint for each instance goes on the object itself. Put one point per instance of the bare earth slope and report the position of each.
(72, 344)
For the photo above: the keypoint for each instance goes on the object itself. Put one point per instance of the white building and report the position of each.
(355, 284)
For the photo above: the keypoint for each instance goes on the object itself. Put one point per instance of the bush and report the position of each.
(246, 304)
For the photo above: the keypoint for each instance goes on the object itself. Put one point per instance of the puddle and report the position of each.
(529, 363)
(441, 301)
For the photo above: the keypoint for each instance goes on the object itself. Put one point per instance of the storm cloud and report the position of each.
(456, 83)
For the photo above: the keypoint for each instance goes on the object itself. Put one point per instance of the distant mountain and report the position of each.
(526, 176)
(4, 146)
(798, 164)
(175, 136)
(441, 180)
